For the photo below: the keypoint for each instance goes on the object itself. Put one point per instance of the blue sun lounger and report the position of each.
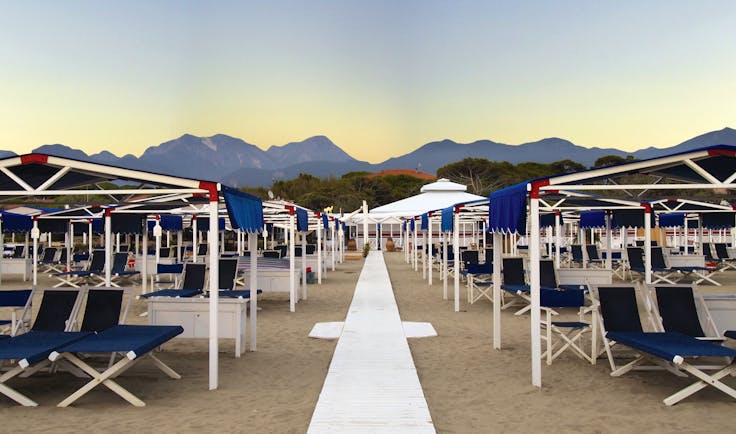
(673, 348)
(30, 351)
(134, 341)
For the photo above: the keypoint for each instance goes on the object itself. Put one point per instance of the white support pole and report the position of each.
(303, 237)
(194, 238)
(424, 254)
(213, 248)
(179, 243)
(445, 274)
(35, 234)
(647, 247)
(414, 249)
(609, 234)
(456, 252)
(319, 251)
(333, 244)
(69, 246)
(535, 290)
(365, 225)
(558, 239)
(430, 259)
(497, 248)
(108, 249)
(292, 271)
(144, 255)
(253, 248)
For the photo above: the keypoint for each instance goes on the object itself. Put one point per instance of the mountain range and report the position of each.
(235, 162)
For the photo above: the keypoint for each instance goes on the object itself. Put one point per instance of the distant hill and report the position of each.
(233, 161)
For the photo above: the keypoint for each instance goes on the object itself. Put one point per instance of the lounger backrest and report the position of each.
(297, 251)
(119, 262)
(169, 268)
(311, 248)
(513, 271)
(636, 257)
(577, 252)
(55, 310)
(592, 251)
(202, 249)
(97, 261)
(18, 251)
(489, 255)
(658, 258)
(722, 251)
(619, 309)
(228, 268)
(283, 250)
(708, 252)
(62, 256)
(164, 252)
(272, 254)
(566, 298)
(676, 305)
(469, 257)
(194, 274)
(102, 309)
(48, 254)
(547, 276)
(14, 297)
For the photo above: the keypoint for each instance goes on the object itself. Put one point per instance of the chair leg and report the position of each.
(704, 381)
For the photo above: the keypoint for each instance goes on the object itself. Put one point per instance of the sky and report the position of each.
(379, 78)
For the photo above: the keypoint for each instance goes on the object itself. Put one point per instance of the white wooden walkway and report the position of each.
(372, 385)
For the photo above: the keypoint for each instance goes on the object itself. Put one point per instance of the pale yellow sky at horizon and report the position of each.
(380, 79)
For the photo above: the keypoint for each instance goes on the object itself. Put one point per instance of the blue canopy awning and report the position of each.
(13, 222)
(670, 220)
(302, 220)
(245, 210)
(628, 218)
(718, 220)
(54, 226)
(548, 220)
(173, 223)
(325, 221)
(447, 216)
(126, 223)
(203, 224)
(593, 219)
(425, 221)
(507, 211)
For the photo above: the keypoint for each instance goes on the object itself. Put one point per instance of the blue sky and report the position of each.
(379, 78)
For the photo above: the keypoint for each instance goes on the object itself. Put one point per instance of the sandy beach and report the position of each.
(469, 386)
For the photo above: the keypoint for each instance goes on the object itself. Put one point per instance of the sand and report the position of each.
(469, 386)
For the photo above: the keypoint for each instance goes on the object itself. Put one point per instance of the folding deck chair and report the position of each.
(192, 284)
(16, 301)
(77, 278)
(167, 276)
(479, 281)
(134, 341)
(576, 252)
(119, 273)
(570, 333)
(660, 271)
(724, 257)
(514, 282)
(594, 257)
(618, 314)
(48, 259)
(28, 352)
(228, 271)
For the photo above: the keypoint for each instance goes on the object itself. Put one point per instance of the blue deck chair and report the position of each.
(730, 334)
(576, 254)
(16, 300)
(228, 270)
(674, 348)
(570, 332)
(594, 256)
(514, 282)
(167, 276)
(479, 278)
(134, 341)
(29, 351)
(18, 251)
(660, 272)
(119, 273)
(77, 278)
(724, 257)
(272, 254)
(192, 283)
(48, 259)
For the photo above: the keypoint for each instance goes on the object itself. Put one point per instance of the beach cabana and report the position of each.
(712, 168)
(38, 176)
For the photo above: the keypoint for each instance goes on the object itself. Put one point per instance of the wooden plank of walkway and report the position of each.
(372, 384)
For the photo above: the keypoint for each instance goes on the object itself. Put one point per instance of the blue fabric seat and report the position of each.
(134, 341)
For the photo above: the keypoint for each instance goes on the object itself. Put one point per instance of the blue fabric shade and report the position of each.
(447, 216)
(670, 220)
(126, 223)
(173, 223)
(412, 224)
(628, 218)
(302, 220)
(55, 226)
(16, 222)
(548, 220)
(718, 220)
(593, 219)
(325, 221)
(507, 211)
(245, 210)
(425, 221)
(203, 224)
(98, 226)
